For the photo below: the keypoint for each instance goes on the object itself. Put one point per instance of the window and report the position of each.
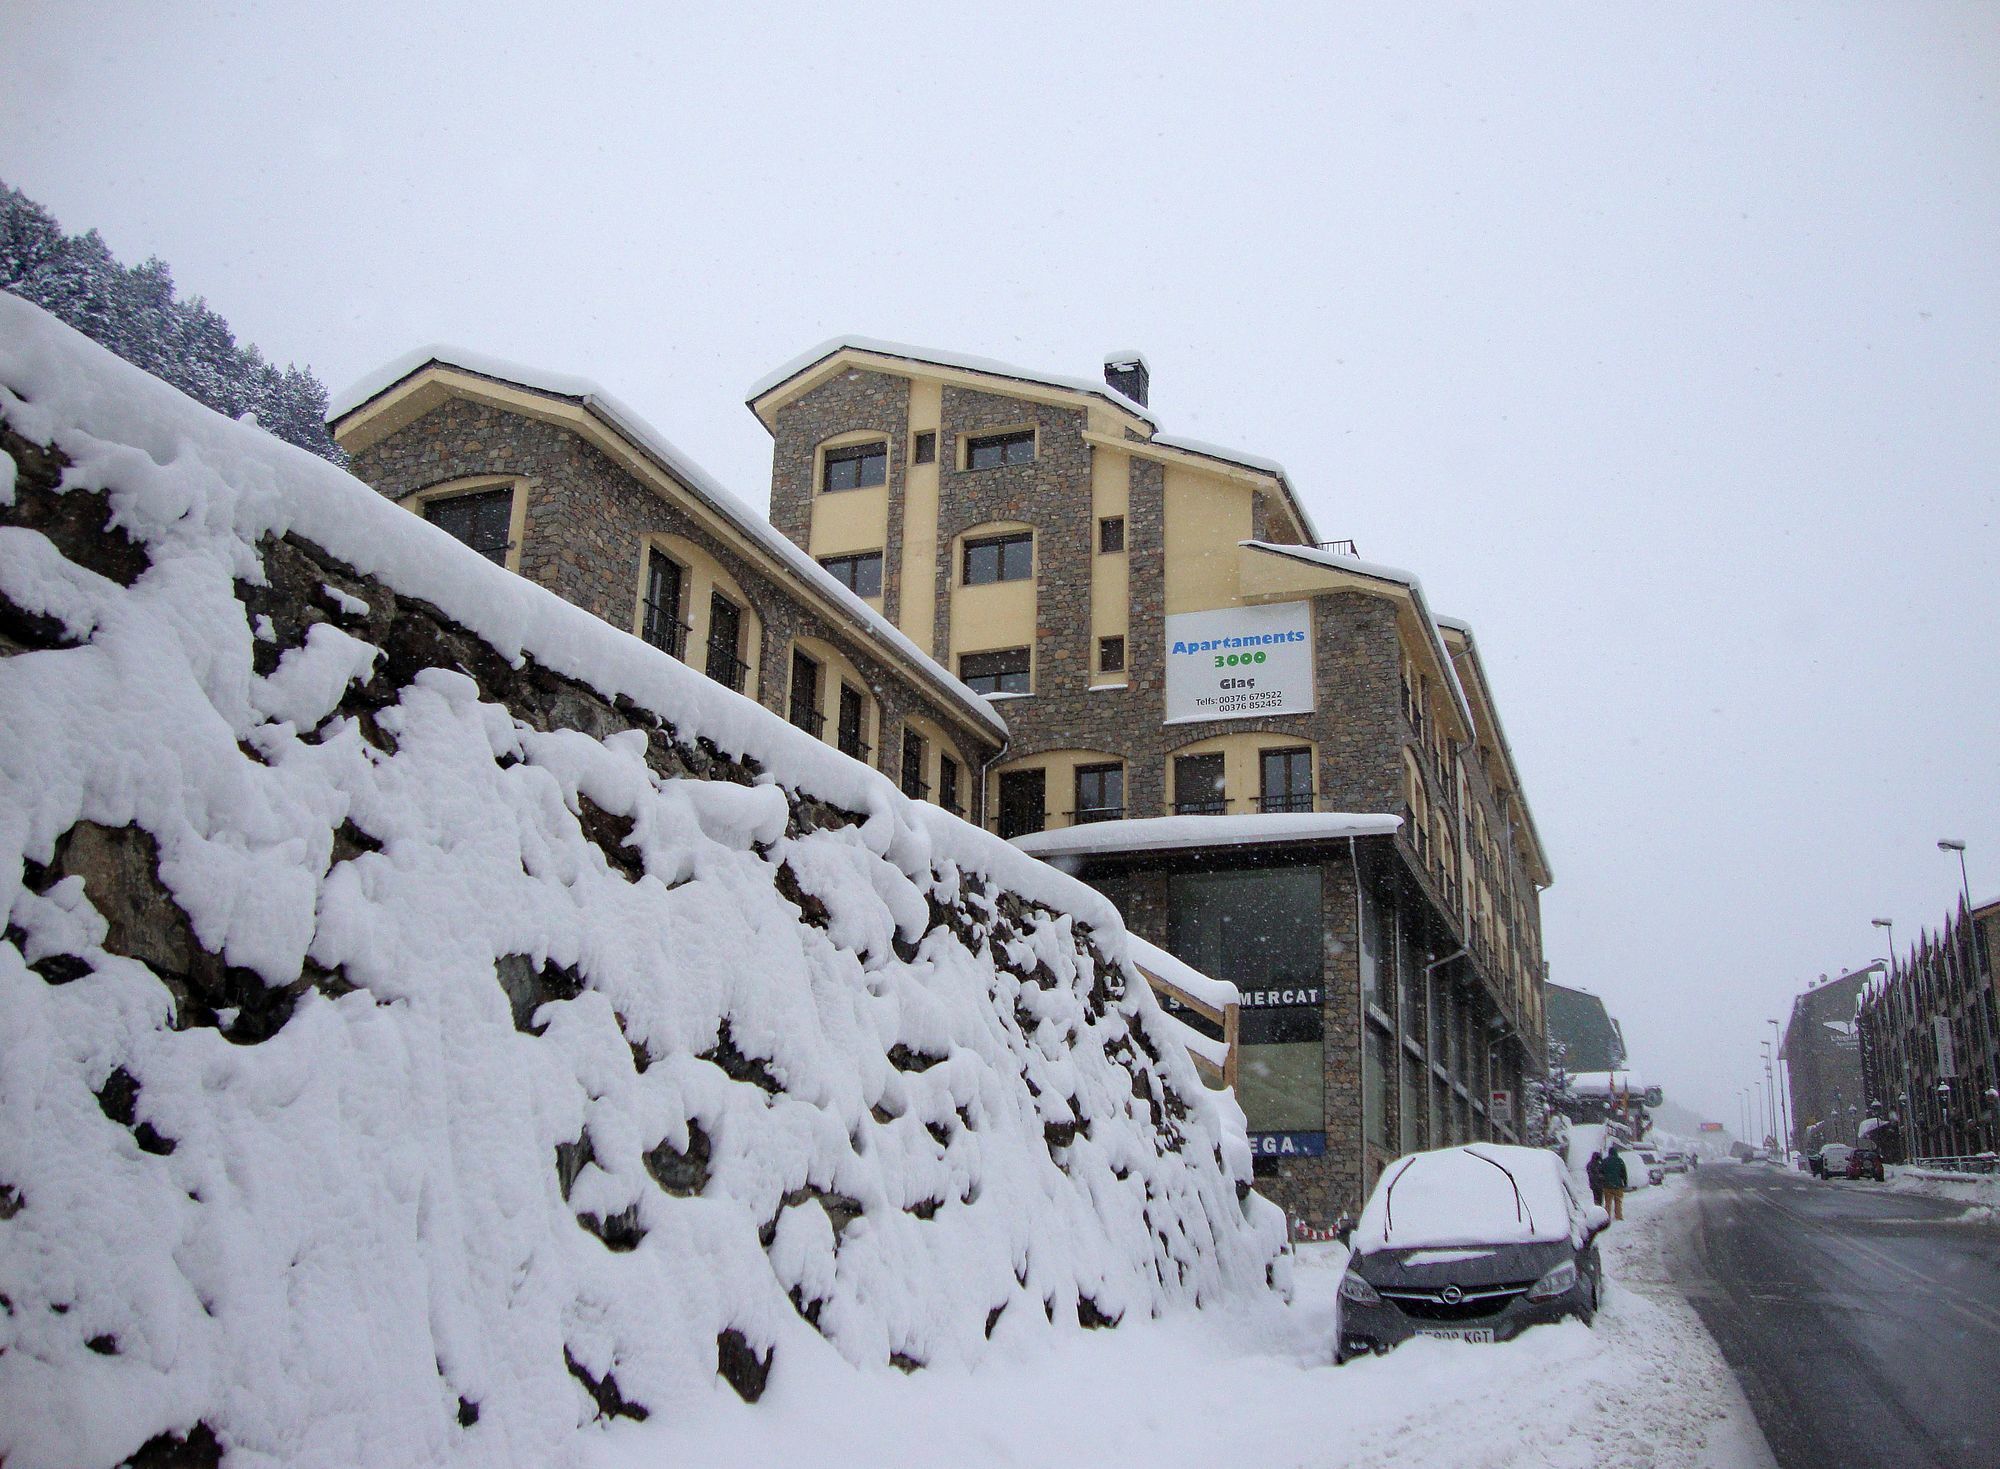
(1261, 929)
(1378, 954)
(483, 521)
(1285, 780)
(855, 467)
(1023, 799)
(853, 722)
(1111, 655)
(926, 448)
(725, 639)
(861, 573)
(1111, 534)
(1004, 672)
(913, 766)
(662, 626)
(1378, 1068)
(990, 451)
(948, 785)
(1100, 793)
(804, 709)
(1198, 785)
(1000, 558)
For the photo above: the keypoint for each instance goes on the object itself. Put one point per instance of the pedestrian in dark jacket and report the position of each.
(1615, 1179)
(1593, 1174)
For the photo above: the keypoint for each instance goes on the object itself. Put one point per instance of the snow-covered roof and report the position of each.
(704, 486)
(1464, 630)
(1169, 833)
(1605, 1083)
(1379, 571)
(938, 357)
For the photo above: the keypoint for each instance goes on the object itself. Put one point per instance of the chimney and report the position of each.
(1126, 373)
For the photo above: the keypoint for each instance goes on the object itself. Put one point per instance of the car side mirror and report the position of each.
(1343, 1228)
(1596, 1219)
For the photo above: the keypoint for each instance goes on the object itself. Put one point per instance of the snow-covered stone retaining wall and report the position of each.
(433, 1022)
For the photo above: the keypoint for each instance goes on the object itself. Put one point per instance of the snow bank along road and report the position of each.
(1646, 1389)
(1864, 1322)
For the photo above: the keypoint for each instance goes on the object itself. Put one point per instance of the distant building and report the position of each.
(1590, 1039)
(1822, 1055)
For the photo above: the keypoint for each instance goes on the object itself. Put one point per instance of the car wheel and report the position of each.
(1587, 1311)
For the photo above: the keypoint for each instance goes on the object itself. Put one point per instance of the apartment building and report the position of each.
(1929, 1033)
(1287, 769)
(555, 479)
(1821, 1050)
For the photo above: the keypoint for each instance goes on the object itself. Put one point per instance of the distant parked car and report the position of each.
(1656, 1173)
(1675, 1162)
(1833, 1160)
(1864, 1162)
(1475, 1243)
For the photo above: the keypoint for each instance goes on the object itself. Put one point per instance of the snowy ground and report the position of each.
(1981, 1193)
(1646, 1387)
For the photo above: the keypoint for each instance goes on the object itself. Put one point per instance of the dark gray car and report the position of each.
(1485, 1241)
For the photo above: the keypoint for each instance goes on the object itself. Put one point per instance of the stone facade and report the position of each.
(587, 523)
(1361, 728)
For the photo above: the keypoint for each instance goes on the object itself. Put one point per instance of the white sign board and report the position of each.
(1947, 1057)
(1500, 1106)
(1240, 662)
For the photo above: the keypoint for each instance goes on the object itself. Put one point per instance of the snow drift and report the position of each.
(432, 1021)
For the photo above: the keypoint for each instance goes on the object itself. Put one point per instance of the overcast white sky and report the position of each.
(1661, 341)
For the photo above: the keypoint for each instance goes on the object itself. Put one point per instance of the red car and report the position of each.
(1865, 1162)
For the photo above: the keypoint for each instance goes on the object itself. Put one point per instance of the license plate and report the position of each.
(1458, 1333)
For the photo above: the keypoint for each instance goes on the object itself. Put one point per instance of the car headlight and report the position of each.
(1557, 1282)
(1360, 1292)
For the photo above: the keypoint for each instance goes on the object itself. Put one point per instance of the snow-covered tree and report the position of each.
(136, 314)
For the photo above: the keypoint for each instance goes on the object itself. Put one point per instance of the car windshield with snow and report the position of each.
(1474, 1243)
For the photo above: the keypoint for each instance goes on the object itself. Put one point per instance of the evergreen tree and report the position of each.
(136, 314)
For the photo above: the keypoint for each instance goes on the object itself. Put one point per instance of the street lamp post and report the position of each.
(1908, 1125)
(1785, 1117)
(1953, 844)
(1770, 1096)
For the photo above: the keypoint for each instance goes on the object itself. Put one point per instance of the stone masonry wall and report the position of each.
(587, 520)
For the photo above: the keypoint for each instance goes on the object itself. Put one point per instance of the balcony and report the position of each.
(1085, 815)
(727, 669)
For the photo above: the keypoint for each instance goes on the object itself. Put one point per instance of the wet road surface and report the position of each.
(1864, 1325)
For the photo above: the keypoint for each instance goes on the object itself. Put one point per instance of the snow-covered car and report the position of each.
(1832, 1160)
(1649, 1161)
(1475, 1243)
(1674, 1162)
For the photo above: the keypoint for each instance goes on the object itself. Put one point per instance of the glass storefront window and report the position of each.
(1377, 952)
(1412, 1128)
(1261, 929)
(1378, 1072)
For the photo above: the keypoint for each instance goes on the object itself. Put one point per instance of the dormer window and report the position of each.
(855, 467)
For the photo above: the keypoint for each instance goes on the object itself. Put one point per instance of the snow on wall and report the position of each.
(433, 1022)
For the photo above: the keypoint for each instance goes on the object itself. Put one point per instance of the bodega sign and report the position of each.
(1239, 662)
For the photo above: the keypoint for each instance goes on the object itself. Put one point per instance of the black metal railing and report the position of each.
(1084, 815)
(665, 632)
(727, 669)
(1339, 548)
(1204, 806)
(1285, 802)
(856, 749)
(808, 719)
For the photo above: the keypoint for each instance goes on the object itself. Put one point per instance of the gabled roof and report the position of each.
(816, 364)
(1406, 581)
(827, 351)
(442, 371)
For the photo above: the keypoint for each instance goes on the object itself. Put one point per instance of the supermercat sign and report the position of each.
(1239, 662)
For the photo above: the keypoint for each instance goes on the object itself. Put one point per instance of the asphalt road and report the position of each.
(1864, 1325)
